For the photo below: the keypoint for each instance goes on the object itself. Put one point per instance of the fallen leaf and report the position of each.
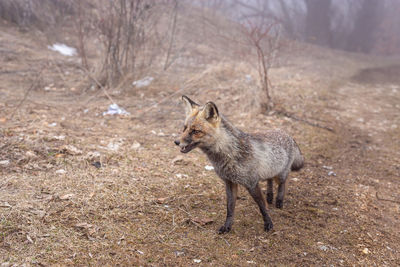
(5, 205)
(161, 200)
(72, 150)
(83, 225)
(178, 160)
(3, 120)
(66, 197)
(203, 221)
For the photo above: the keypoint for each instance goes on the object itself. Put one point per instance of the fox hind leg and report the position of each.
(281, 190)
(270, 191)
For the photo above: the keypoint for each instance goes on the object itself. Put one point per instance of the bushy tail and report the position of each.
(298, 161)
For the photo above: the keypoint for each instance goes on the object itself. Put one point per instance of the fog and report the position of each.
(366, 26)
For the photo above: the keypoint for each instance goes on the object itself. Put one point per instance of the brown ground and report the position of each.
(142, 207)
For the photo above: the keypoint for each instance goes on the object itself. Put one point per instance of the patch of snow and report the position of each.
(4, 163)
(63, 49)
(209, 168)
(113, 146)
(59, 137)
(146, 81)
(114, 109)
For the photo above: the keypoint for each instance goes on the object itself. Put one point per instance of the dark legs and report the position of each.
(231, 196)
(258, 197)
(281, 190)
(270, 191)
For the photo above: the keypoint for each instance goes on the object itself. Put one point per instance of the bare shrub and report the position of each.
(35, 13)
(264, 38)
(127, 32)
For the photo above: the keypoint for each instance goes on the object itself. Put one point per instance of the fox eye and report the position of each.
(195, 132)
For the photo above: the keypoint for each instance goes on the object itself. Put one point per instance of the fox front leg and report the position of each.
(231, 196)
(270, 191)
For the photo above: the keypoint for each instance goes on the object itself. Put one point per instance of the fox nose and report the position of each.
(177, 142)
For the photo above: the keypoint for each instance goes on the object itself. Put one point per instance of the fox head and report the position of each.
(201, 125)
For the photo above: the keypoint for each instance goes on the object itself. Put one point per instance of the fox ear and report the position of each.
(211, 112)
(189, 104)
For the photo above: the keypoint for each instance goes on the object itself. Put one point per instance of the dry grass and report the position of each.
(142, 207)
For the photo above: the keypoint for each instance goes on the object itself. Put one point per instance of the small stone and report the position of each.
(179, 253)
(135, 145)
(66, 197)
(30, 154)
(365, 251)
(4, 163)
(331, 173)
(61, 171)
(196, 261)
(96, 164)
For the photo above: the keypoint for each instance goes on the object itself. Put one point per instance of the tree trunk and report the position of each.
(318, 28)
(365, 26)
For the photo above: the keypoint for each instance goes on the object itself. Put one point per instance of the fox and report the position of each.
(240, 158)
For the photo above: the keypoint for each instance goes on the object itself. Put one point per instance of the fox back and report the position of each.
(239, 157)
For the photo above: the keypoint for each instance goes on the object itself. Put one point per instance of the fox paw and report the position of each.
(270, 198)
(268, 226)
(224, 229)
(279, 204)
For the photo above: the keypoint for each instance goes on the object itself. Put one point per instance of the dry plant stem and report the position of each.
(294, 117)
(27, 92)
(172, 37)
(98, 84)
(385, 199)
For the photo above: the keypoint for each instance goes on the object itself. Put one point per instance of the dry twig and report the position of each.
(33, 85)
(294, 117)
(385, 199)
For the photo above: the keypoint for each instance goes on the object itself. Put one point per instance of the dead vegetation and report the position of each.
(80, 188)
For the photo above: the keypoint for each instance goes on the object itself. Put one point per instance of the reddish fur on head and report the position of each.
(201, 123)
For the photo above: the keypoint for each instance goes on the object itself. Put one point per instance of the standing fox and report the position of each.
(240, 158)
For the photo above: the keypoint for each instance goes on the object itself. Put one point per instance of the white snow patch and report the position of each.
(146, 81)
(209, 168)
(63, 49)
(115, 109)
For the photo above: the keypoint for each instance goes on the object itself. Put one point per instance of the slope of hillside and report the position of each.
(81, 188)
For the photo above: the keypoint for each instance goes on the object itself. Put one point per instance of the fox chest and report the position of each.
(230, 171)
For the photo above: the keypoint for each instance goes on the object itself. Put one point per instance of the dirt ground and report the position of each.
(80, 188)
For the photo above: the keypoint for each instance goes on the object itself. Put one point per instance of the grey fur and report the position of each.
(248, 159)
(241, 158)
